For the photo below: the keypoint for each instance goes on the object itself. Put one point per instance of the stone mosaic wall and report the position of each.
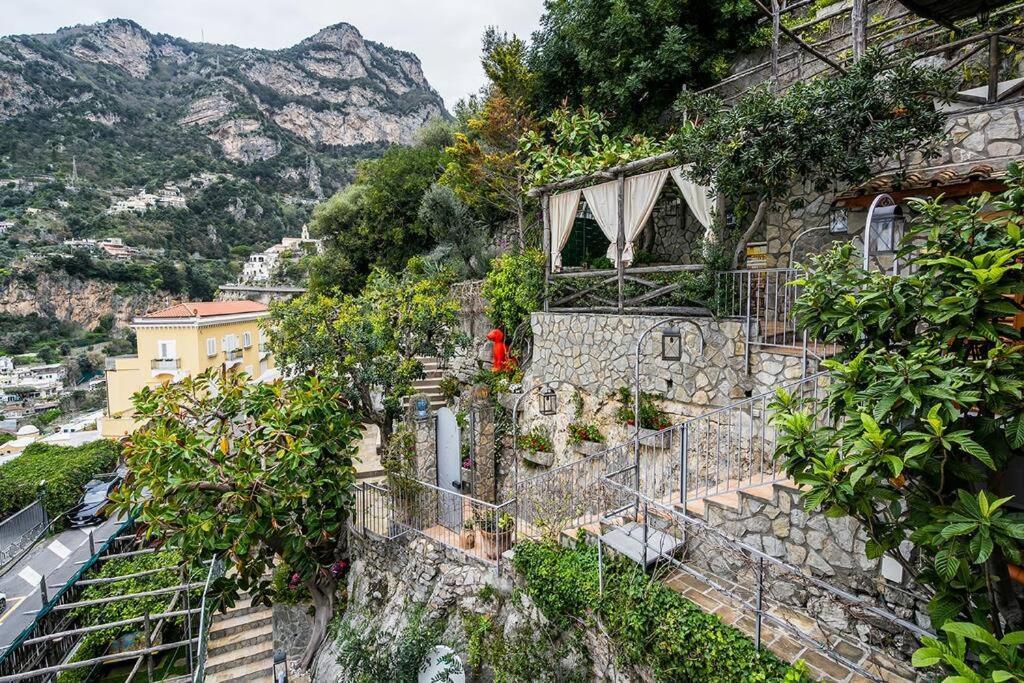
(672, 234)
(292, 625)
(992, 135)
(388, 580)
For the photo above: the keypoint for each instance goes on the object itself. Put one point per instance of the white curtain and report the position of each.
(562, 210)
(603, 201)
(699, 198)
(641, 194)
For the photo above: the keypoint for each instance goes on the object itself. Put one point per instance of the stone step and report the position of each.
(255, 672)
(628, 540)
(234, 657)
(255, 634)
(241, 622)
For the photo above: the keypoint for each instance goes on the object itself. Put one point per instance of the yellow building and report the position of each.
(183, 340)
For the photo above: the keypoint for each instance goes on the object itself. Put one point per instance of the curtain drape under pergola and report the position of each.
(641, 193)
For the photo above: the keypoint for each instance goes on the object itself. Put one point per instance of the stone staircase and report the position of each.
(430, 385)
(241, 645)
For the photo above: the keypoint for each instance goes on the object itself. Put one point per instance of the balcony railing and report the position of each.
(165, 363)
(236, 354)
(264, 347)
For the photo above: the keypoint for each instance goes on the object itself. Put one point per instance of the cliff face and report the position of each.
(334, 89)
(80, 301)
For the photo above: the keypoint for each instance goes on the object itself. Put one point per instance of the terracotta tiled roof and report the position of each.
(923, 179)
(208, 309)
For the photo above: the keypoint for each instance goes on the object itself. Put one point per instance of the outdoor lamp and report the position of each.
(421, 409)
(887, 228)
(280, 667)
(671, 344)
(548, 401)
(838, 223)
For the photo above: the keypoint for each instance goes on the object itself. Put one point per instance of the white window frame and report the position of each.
(230, 342)
(211, 346)
(166, 349)
(246, 340)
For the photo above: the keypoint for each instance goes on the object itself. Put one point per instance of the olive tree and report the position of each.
(256, 474)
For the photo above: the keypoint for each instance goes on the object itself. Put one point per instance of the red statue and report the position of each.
(500, 360)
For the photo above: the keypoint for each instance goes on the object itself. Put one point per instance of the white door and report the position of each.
(449, 474)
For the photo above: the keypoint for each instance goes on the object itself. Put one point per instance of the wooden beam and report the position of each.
(113, 624)
(968, 189)
(858, 28)
(799, 41)
(604, 175)
(106, 659)
(129, 596)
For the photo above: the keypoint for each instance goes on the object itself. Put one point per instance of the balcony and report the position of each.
(232, 358)
(264, 349)
(168, 364)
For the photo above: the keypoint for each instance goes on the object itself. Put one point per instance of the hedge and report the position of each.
(66, 469)
(652, 625)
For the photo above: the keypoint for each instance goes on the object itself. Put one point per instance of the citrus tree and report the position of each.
(256, 474)
(928, 415)
(371, 342)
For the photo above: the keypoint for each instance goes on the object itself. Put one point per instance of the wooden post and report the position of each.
(148, 639)
(858, 28)
(620, 240)
(548, 256)
(42, 590)
(993, 68)
(776, 28)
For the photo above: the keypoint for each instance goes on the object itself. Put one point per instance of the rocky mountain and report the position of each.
(250, 137)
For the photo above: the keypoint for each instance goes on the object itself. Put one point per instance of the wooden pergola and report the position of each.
(598, 281)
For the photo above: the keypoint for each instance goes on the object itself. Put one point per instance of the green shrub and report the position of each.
(653, 625)
(514, 288)
(65, 469)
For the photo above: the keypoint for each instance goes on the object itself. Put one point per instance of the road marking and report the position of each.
(11, 604)
(31, 576)
(59, 549)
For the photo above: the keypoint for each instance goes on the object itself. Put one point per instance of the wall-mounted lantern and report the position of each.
(883, 230)
(671, 344)
(280, 667)
(838, 221)
(548, 401)
(422, 409)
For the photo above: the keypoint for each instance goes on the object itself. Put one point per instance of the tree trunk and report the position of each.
(323, 610)
(759, 215)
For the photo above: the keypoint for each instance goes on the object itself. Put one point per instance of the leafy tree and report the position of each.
(926, 401)
(514, 288)
(631, 59)
(258, 474)
(827, 131)
(374, 223)
(462, 238)
(371, 343)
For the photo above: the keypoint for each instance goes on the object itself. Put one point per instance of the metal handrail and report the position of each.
(205, 618)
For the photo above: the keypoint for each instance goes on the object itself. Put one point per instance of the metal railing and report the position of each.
(21, 656)
(234, 354)
(165, 363)
(568, 497)
(21, 530)
(206, 618)
(765, 300)
(732, 448)
(410, 506)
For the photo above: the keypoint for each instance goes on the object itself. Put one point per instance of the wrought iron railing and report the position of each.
(233, 354)
(21, 529)
(206, 608)
(765, 300)
(477, 528)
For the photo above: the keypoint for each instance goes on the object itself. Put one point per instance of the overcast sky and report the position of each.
(445, 34)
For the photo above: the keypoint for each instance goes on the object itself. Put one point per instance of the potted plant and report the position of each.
(538, 446)
(467, 539)
(450, 388)
(652, 418)
(495, 531)
(585, 438)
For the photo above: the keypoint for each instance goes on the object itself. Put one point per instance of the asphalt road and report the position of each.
(58, 558)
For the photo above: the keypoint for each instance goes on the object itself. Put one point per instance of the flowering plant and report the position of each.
(536, 441)
(583, 431)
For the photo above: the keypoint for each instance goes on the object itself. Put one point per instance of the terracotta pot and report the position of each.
(494, 544)
(467, 539)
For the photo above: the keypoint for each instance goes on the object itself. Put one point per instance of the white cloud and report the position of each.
(445, 34)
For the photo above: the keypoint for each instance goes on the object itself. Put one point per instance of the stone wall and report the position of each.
(832, 550)
(672, 234)
(992, 135)
(292, 625)
(388, 581)
(593, 354)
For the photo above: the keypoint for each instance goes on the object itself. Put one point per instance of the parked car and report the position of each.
(92, 508)
(3, 602)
